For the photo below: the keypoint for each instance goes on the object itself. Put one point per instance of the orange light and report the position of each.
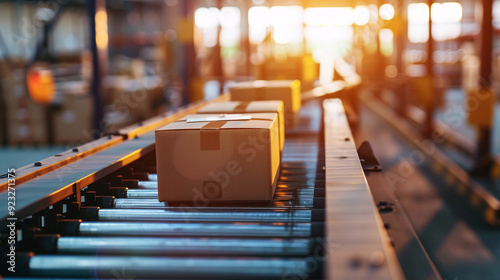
(41, 86)
(101, 29)
(386, 37)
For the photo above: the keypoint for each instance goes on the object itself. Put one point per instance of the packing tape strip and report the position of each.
(242, 106)
(210, 136)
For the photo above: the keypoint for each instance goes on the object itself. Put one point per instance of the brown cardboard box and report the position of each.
(24, 133)
(208, 157)
(287, 91)
(136, 97)
(483, 113)
(237, 107)
(26, 122)
(73, 122)
(25, 119)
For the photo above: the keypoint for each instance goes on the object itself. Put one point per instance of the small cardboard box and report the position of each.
(208, 158)
(237, 107)
(26, 122)
(73, 121)
(135, 97)
(481, 112)
(287, 91)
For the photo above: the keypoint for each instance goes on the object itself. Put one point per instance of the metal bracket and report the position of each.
(368, 159)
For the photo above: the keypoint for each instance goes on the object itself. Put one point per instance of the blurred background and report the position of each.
(74, 70)
(420, 80)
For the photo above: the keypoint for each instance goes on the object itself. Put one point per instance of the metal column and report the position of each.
(429, 107)
(188, 72)
(99, 61)
(483, 161)
(401, 35)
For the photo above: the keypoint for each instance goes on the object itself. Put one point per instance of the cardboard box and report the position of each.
(138, 97)
(26, 122)
(26, 133)
(208, 158)
(286, 91)
(238, 107)
(73, 122)
(481, 110)
(14, 89)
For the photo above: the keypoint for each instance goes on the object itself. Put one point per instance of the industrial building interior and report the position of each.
(385, 134)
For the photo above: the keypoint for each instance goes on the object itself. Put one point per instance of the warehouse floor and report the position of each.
(459, 244)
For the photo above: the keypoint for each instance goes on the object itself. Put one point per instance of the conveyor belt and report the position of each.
(357, 243)
(99, 217)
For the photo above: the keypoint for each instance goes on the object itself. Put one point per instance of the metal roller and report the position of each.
(152, 177)
(151, 184)
(154, 185)
(201, 229)
(154, 203)
(291, 177)
(230, 207)
(298, 165)
(188, 215)
(282, 178)
(299, 150)
(296, 162)
(296, 159)
(298, 193)
(297, 169)
(303, 180)
(149, 192)
(296, 185)
(153, 193)
(297, 155)
(297, 172)
(163, 267)
(305, 167)
(150, 246)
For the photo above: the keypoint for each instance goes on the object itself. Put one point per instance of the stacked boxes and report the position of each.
(26, 122)
(238, 107)
(303, 68)
(230, 151)
(25, 119)
(287, 91)
(131, 100)
(278, 70)
(211, 157)
(73, 121)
